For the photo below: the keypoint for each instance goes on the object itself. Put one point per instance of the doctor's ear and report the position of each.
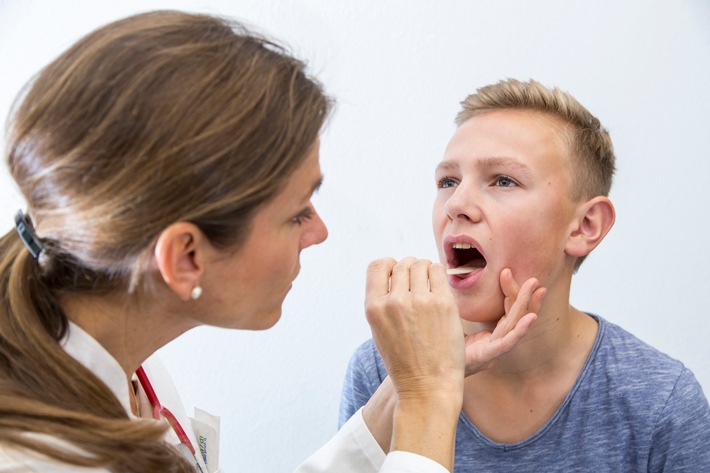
(179, 257)
(594, 220)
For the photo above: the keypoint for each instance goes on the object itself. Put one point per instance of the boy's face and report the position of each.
(503, 191)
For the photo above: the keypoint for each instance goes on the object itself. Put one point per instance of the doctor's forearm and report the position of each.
(425, 426)
(378, 414)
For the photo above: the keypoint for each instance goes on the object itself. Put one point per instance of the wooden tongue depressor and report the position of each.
(461, 270)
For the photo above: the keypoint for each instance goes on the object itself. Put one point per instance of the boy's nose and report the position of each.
(463, 205)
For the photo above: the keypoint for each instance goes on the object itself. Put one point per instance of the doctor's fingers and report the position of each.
(382, 280)
(527, 299)
(419, 276)
(418, 288)
(510, 288)
(401, 281)
(423, 276)
(377, 282)
(439, 280)
(386, 275)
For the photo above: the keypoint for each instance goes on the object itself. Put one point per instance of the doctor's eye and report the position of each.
(446, 182)
(305, 215)
(505, 181)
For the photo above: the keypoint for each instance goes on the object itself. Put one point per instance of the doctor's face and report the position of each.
(254, 280)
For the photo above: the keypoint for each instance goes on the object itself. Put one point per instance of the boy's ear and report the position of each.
(179, 256)
(594, 220)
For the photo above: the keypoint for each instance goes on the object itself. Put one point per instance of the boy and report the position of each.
(524, 185)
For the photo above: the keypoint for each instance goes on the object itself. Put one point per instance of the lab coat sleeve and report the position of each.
(355, 450)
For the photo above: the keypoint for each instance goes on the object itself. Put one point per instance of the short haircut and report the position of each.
(588, 142)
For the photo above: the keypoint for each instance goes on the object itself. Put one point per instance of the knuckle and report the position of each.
(420, 300)
(396, 301)
(440, 305)
(404, 263)
(421, 263)
(380, 264)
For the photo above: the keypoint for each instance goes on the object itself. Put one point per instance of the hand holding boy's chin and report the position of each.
(521, 304)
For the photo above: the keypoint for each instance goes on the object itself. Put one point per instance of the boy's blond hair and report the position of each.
(589, 144)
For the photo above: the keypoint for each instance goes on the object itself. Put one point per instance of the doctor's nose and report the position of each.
(317, 232)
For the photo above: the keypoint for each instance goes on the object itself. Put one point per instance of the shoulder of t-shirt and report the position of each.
(631, 351)
(367, 359)
(637, 366)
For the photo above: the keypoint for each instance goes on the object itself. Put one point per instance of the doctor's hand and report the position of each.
(417, 331)
(415, 325)
(521, 304)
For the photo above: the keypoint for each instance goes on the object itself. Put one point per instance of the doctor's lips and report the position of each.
(463, 258)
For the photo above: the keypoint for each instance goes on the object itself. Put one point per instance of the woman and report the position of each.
(168, 161)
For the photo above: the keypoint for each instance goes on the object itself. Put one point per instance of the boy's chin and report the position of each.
(476, 324)
(473, 322)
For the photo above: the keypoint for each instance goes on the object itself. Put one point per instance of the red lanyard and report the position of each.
(161, 411)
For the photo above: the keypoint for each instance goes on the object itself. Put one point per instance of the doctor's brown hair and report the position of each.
(153, 119)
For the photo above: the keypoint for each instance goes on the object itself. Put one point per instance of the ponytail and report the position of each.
(44, 391)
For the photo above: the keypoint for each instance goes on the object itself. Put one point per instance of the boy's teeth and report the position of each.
(462, 246)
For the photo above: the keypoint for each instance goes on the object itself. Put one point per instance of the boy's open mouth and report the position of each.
(466, 255)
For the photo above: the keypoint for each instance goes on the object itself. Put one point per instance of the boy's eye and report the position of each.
(505, 181)
(445, 183)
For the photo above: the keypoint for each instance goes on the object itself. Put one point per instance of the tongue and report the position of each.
(477, 263)
(469, 267)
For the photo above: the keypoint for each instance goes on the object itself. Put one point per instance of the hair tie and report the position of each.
(27, 234)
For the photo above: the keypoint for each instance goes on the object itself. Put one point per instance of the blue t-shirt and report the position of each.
(632, 409)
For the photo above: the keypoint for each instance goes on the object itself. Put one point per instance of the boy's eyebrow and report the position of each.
(446, 166)
(452, 166)
(504, 162)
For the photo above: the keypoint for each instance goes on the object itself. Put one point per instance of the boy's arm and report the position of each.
(681, 440)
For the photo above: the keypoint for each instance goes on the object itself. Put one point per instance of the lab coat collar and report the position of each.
(94, 357)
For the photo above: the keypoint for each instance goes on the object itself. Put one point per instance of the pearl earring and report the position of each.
(196, 293)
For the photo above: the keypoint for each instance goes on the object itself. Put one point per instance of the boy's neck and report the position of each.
(523, 389)
(560, 339)
(556, 343)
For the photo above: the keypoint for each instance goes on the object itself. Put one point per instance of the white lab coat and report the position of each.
(352, 450)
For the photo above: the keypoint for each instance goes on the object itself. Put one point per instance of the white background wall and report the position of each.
(399, 69)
